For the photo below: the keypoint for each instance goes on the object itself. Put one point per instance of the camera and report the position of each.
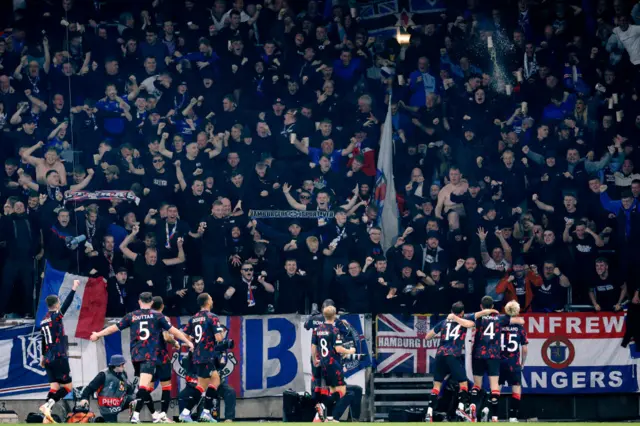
(225, 345)
(355, 357)
(73, 242)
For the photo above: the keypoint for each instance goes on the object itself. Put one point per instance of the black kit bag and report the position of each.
(296, 407)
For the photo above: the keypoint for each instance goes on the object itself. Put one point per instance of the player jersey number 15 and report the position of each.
(511, 344)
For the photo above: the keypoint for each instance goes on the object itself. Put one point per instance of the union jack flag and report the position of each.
(401, 346)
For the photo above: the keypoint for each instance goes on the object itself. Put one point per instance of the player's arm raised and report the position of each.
(463, 322)
(69, 299)
(485, 312)
(124, 245)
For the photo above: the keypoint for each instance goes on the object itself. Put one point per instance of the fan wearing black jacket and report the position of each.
(380, 283)
(353, 287)
(468, 281)
(22, 241)
(291, 289)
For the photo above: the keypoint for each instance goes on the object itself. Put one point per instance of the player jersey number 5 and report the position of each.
(143, 328)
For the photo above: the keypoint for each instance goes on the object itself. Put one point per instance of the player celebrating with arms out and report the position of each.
(486, 356)
(146, 327)
(513, 339)
(328, 339)
(55, 358)
(449, 360)
(207, 331)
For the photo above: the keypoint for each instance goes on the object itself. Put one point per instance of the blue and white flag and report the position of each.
(385, 193)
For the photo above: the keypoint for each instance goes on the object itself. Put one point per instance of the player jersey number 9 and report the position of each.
(512, 343)
(324, 348)
(198, 332)
(452, 332)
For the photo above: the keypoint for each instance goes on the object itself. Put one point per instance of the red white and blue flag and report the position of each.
(88, 309)
(401, 346)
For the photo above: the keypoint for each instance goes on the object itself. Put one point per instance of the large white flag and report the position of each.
(385, 187)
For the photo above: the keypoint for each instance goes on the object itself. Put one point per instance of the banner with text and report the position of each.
(271, 354)
(568, 352)
(579, 353)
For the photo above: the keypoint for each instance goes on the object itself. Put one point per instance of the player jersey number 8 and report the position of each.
(324, 348)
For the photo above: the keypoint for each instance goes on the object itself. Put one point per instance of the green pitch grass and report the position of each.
(404, 424)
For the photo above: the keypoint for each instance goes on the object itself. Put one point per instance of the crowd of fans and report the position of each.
(515, 131)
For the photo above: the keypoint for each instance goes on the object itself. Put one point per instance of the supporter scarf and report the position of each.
(250, 299)
(34, 83)
(109, 257)
(530, 67)
(122, 292)
(100, 195)
(290, 214)
(52, 192)
(91, 231)
(170, 234)
(179, 102)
